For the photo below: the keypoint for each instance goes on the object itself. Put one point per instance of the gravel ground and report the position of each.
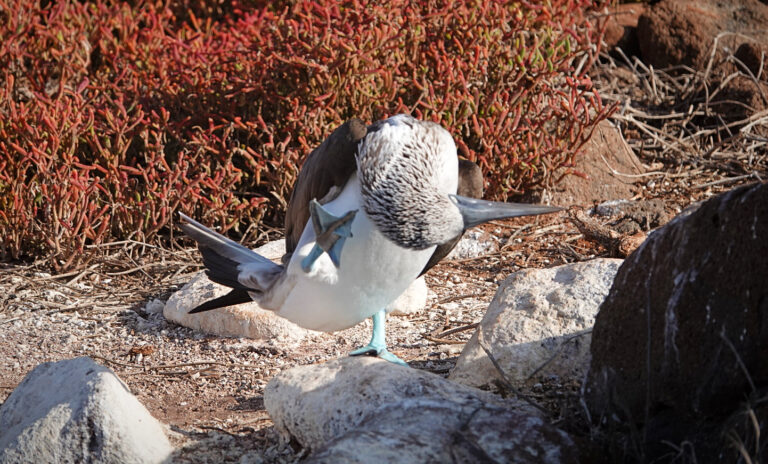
(209, 389)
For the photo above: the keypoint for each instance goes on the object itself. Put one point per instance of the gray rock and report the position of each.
(249, 320)
(413, 299)
(78, 411)
(690, 307)
(368, 410)
(474, 243)
(535, 315)
(437, 431)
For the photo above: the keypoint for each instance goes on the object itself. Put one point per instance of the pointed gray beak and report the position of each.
(476, 212)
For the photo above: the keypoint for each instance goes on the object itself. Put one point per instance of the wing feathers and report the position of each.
(329, 165)
(229, 263)
(236, 296)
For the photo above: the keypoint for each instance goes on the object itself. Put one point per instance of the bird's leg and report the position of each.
(330, 233)
(378, 345)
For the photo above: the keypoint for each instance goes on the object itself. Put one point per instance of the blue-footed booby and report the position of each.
(372, 209)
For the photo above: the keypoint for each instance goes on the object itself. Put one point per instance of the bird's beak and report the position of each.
(476, 212)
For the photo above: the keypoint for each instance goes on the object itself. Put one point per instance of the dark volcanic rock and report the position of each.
(621, 30)
(686, 317)
(674, 32)
(752, 56)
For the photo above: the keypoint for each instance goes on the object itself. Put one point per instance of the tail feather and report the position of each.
(220, 269)
(219, 243)
(236, 296)
(229, 263)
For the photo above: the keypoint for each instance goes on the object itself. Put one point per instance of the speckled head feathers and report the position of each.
(407, 168)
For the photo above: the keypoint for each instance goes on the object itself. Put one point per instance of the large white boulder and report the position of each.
(78, 411)
(536, 318)
(247, 320)
(364, 409)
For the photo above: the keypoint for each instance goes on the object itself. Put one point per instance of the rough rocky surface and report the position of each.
(690, 307)
(742, 97)
(621, 27)
(247, 320)
(250, 320)
(314, 404)
(438, 431)
(369, 410)
(725, 40)
(78, 411)
(609, 165)
(536, 316)
(753, 55)
(674, 32)
(474, 243)
(631, 217)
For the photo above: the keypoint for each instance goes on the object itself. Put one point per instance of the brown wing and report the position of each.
(328, 166)
(470, 185)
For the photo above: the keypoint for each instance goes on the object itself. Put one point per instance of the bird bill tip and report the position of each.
(476, 212)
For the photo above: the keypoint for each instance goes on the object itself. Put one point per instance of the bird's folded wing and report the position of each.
(329, 165)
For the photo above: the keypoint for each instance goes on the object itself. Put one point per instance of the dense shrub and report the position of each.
(115, 115)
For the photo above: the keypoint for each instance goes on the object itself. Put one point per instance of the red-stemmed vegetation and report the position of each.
(115, 115)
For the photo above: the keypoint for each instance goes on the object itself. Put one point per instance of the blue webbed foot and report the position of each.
(383, 353)
(330, 232)
(377, 346)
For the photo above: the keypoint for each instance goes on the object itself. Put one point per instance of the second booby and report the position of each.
(373, 208)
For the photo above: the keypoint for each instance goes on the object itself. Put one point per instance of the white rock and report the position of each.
(529, 320)
(365, 409)
(316, 403)
(413, 299)
(610, 208)
(247, 320)
(78, 411)
(438, 431)
(474, 243)
(273, 250)
(154, 307)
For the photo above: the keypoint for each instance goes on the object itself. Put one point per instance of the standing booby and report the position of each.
(372, 209)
